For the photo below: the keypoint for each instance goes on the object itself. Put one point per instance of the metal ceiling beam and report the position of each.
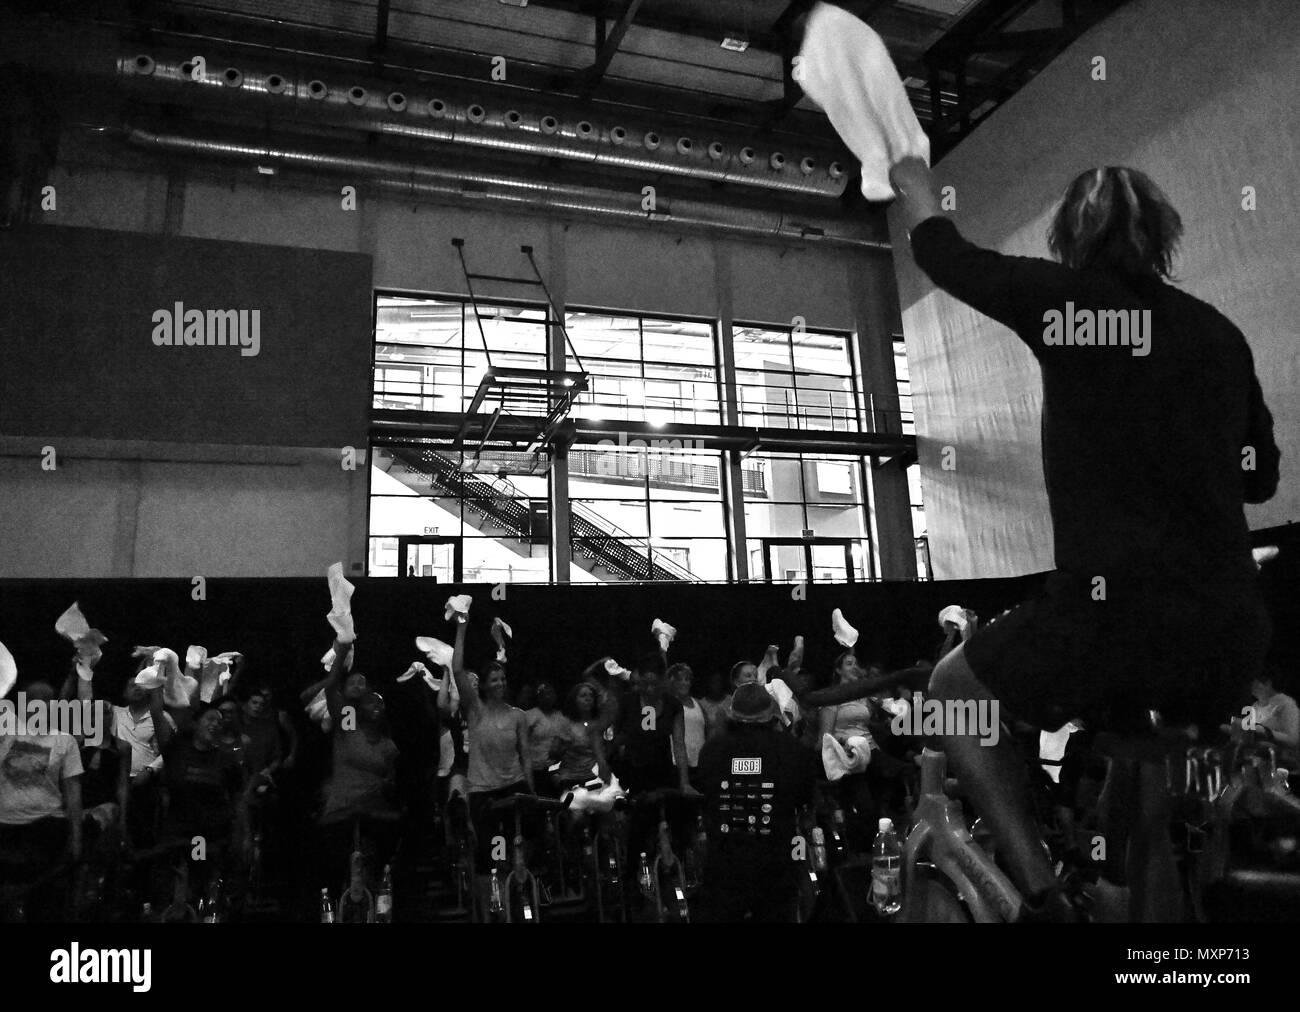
(588, 80)
(381, 30)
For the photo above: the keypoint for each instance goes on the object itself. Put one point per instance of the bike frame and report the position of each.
(940, 836)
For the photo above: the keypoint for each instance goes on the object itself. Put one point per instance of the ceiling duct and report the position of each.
(458, 183)
(497, 119)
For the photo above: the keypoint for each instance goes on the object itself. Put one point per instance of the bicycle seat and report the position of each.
(529, 802)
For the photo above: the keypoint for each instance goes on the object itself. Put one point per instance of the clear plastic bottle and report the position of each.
(494, 900)
(886, 871)
(326, 907)
(645, 879)
(819, 850)
(384, 898)
(210, 905)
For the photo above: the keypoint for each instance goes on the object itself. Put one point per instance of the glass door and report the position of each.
(436, 559)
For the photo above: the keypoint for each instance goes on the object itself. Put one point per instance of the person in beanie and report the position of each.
(754, 780)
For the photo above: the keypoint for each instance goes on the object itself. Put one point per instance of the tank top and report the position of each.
(852, 719)
(693, 719)
(579, 755)
(494, 749)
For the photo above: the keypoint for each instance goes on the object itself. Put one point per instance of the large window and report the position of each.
(429, 354)
(795, 379)
(641, 509)
(653, 512)
(496, 527)
(816, 500)
(646, 368)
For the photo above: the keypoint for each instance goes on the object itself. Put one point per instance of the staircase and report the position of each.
(599, 547)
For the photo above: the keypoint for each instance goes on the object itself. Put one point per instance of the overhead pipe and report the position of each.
(435, 181)
(505, 121)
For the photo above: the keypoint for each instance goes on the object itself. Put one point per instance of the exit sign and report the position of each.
(431, 530)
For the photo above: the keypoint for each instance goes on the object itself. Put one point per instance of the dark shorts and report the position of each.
(1188, 652)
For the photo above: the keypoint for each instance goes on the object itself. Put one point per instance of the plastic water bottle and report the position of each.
(886, 871)
(645, 879)
(210, 906)
(819, 850)
(494, 899)
(384, 898)
(326, 907)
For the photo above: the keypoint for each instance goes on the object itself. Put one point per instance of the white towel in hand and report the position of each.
(151, 677)
(500, 631)
(840, 762)
(8, 671)
(457, 604)
(955, 614)
(212, 676)
(785, 701)
(437, 652)
(770, 660)
(617, 670)
(72, 624)
(846, 69)
(664, 633)
(600, 800)
(845, 634)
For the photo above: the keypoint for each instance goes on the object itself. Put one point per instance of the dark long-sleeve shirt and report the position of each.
(1142, 453)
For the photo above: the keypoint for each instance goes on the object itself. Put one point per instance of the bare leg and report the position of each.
(995, 779)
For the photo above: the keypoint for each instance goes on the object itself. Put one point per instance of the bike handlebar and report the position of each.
(527, 801)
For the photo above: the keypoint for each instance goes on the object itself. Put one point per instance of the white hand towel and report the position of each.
(770, 660)
(955, 614)
(500, 632)
(617, 670)
(845, 634)
(438, 652)
(785, 702)
(846, 69)
(72, 624)
(457, 604)
(840, 762)
(664, 633)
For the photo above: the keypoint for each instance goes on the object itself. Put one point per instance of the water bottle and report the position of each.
(210, 905)
(819, 850)
(645, 879)
(384, 898)
(494, 900)
(326, 908)
(839, 833)
(886, 871)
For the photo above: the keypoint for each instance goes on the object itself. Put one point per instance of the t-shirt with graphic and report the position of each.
(753, 780)
(32, 770)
